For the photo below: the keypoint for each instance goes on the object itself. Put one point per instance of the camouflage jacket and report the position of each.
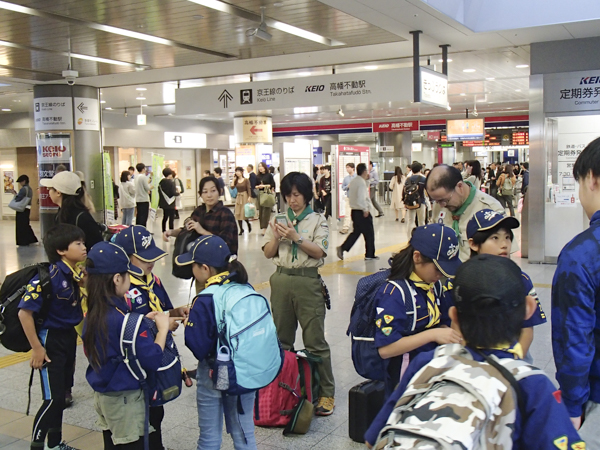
(576, 319)
(546, 425)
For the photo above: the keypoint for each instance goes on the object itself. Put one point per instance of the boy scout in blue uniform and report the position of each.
(54, 346)
(490, 306)
(576, 308)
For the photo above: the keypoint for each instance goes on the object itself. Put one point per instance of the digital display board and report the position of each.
(465, 129)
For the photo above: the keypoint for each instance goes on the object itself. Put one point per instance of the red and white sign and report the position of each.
(355, 154)
(433, 135)
(51, 152)
(388, 127)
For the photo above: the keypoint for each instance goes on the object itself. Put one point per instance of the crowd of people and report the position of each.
(469, 301)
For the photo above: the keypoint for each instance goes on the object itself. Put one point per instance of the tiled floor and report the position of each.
(180, 425)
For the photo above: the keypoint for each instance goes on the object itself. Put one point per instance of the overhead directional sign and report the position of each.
(394, 85)
(253, 130)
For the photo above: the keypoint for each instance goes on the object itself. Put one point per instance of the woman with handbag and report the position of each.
(21, 203)
(266, 185)
(243, 196)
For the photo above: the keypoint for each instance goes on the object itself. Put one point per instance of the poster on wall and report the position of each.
(348, 154)
(9, 182)
(53, 151)
(109, 201)
(158, 162)
(244, 155)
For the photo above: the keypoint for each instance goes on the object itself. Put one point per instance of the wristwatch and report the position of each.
(300, 240)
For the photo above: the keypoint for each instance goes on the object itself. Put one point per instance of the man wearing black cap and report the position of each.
(491, 304)
(456, 201)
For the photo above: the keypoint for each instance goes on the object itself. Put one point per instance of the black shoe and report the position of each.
(68, 399)
(241, 232)
(371, 258)
(402, 221)
(249, 228)
(379, 215)
(396, 220)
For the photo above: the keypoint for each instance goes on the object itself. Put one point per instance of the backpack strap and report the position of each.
(45, 283)
(411, 307)
(77, 219)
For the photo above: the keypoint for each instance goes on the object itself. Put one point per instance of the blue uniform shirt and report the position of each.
(576, 319)
(113, 375)
(140, 297)
(393, 323)
(545, 423)
(64, 311)
(538, 317)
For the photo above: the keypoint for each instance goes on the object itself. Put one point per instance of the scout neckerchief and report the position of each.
(77, 277)
(461, 210)
(217, 279)
(432, 308)
(515, 349)
(295, 221)
(148, 285)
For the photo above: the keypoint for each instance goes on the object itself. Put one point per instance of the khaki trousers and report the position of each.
(298, 299)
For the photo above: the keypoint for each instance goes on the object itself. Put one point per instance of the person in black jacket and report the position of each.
(264, 181)
(25, 234)
(166, 198)
(65, 190)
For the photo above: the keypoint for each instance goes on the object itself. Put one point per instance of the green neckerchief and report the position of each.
(295, 221)
(461, 210)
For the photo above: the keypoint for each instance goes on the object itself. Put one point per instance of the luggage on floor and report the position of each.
(364, 402)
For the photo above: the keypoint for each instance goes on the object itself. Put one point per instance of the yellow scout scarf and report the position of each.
(217, 279)
(432, 307)
(148, 285)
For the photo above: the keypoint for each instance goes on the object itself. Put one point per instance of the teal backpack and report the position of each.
(246, 327)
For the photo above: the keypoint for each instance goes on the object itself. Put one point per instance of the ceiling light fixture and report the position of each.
(141, 89)
(340, 112)
(6, 109)
(102, 101)
(462, 94)
(260, 31)
(522, 66)
(108, 108)
(140, 98)
(281, 26)
(468, 70)
(371, 67)
(517, 90)
(441, 60)
(491, 79)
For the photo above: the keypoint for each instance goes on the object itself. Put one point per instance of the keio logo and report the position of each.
(590, 80)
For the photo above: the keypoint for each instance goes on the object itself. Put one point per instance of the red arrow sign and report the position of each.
(254, 130)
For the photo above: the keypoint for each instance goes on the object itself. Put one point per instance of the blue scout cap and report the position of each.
(110, 258)
(438, 242)
(486, 219)
(210, 250)
(137, 240)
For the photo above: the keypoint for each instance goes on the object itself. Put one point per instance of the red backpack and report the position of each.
(275, 403)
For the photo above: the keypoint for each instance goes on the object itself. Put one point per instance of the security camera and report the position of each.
(475, 113)
(70, 76)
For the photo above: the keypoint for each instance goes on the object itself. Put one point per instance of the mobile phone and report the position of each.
(281, 219)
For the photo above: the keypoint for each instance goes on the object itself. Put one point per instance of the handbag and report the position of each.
(302, 415)
(249, 210)
(19, 206)
(233, 192)
(266, 199)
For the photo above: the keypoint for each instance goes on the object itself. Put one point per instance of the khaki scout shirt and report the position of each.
(444, 216)
(313, 228)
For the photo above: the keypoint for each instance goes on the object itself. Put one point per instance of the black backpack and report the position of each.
(412, 197)
(12, 335)
(183, 243)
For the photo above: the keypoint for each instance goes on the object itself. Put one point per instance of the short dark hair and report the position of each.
(351, 165)
(486, 323)
(443, 176)
(140, 166)
(371, 162)
(416, 167)
(588, 160)
(481, 236)
(327, 167)
(59, 238)
(525, 165)
(131, 168)
(167, 171)
(205, 180)
(218, 170)
(23, 179)
(301, 181)
(360, 169)
(251, 166)
(271, 169)
(124, 176)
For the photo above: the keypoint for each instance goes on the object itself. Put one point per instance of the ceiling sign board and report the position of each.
(575, 91)
(253, 130)
(185, 140)
(325, 90)
(434, 88)
(461, 129)
(388, 127)
(53, 113)
(386, 149)
(87, 114)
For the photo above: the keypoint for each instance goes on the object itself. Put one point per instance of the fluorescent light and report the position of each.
(468, 70)
(491, 79)
(371, 67)
(103, 60)
(140, 98)
(102, 101)
(522, 66)
(108, 108)
(141, 89)
(304, 74)
(517, 90)
(462, 94)
(441, 60)
(281, 26)
(6, 109)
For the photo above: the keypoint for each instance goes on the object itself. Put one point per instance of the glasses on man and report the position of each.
(444, 202)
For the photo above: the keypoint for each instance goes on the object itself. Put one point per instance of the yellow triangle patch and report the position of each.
(388, 318)
(378, 323)
(386, 330)
(578, 445)
(562, 443)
